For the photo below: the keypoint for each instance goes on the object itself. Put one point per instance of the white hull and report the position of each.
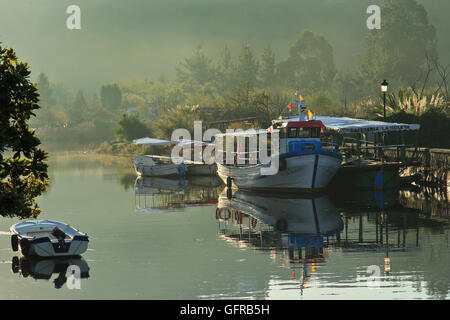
(146, 166)
(37, 238)
(302, 172)
(201, 169)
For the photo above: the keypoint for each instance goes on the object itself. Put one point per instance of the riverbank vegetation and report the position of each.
(252, 88)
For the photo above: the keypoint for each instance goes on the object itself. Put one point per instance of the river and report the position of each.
(183, 239)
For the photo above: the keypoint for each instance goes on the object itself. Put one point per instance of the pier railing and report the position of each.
(430, 166)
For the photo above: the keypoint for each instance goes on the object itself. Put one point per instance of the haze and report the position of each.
(124, 39)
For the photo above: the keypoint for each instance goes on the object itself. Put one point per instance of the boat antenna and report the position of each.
(301, 106)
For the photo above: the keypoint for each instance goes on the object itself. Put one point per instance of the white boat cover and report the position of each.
(152, 141)
(249, 132)
(183, 142)
(351, 125)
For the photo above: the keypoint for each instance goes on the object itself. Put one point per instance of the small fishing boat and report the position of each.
(46, 238)
(156, 165)
(301, 162)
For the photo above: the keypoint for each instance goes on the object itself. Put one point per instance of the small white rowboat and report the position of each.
(46, 238)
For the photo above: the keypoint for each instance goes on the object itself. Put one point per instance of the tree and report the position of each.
(267, 69)
(77, 111)
(44, 88)
(225, 71)
(130, 127)
(198, 67)
(247, 67)
(179, 117)
(23, 176)
(248, 103)
(399, 50)
(346, 87)
(310, 64)
(111, 97)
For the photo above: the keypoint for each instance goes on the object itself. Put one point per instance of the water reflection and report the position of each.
(155, 193)
(277, 223)
(303, 234)
(44, 269)
(296, 229)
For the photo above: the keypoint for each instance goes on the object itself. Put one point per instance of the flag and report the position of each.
(310, 115)
(290, 106)
(280, 117)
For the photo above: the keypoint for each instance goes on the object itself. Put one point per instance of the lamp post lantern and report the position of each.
(384, 87)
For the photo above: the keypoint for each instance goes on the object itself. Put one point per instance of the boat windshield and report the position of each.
(300, 132)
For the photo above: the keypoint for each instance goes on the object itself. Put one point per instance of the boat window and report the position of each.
(292, 133)
(304, 132)
(315, 132)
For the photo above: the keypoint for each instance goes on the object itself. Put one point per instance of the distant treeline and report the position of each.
(260, 87)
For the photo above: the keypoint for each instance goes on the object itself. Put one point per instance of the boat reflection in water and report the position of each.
(298, 227)
(43, 268)
(161, 194)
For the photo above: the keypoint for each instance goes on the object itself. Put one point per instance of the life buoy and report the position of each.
(219, 214)
(15, 242)
(239, 217)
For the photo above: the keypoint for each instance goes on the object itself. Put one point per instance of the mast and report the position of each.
(301, 107)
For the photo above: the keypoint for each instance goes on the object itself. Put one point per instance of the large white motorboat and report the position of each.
(156, 165)
(46, 238)
(303, 163)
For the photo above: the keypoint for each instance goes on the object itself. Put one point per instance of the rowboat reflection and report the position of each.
(162, 194)
(279, 223)
(44, 268)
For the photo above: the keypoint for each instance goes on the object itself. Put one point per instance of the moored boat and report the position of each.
(303, 163)
(156, 165)
(46, 238)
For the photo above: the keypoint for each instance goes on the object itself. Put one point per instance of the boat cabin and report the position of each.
(299, 135)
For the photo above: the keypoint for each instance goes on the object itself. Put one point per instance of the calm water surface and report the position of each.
(171, 239)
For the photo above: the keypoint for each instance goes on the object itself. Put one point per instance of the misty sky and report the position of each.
(145, 38)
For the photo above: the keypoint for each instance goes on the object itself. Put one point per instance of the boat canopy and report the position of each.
(246, 133)
(152, 141)
(351, 125)
(183, 142)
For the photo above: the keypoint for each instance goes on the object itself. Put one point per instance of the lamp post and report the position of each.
(384, 87)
